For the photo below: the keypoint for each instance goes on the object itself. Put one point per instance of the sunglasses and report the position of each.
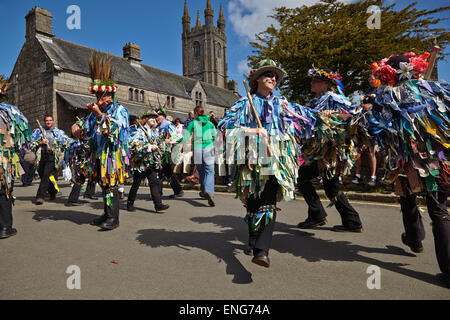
(270, 74)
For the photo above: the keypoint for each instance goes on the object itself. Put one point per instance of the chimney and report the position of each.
(38, 22)
(132, 52)
(232, 86)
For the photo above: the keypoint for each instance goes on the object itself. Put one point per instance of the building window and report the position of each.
(130, 94)
(197, 52)
(198, 99)
(172, 105)
(136, 95)
(141, 97)
(44, 66)
(219, 50)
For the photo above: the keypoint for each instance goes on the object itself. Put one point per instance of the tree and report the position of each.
(335, 35)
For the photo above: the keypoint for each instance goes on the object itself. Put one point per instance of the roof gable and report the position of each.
(74, 57)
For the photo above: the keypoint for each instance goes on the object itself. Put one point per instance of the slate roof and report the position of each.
(74, 57)
(79, 101)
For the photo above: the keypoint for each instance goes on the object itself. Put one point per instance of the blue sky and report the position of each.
(155, 26)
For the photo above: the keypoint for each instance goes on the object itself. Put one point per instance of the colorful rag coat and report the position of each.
(108, 154)
(253, 167)
(60, 142)
(142, 156)
(276, 115)
(331, 144)
(76, 155)
(15, 133)
(166, 130)
(410, 121)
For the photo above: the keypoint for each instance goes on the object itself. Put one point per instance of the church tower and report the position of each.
(205, 48)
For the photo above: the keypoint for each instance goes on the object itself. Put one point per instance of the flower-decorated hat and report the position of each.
(101, 73)
(263, 66)
(148, 114)
(161, 111)
(4, 86)
(392, 70)
(327, 75)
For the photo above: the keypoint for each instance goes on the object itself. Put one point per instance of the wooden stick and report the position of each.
(43, 133)
(269, 152)
(432, 62)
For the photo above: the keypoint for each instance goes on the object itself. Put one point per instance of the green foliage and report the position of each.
(335, 35)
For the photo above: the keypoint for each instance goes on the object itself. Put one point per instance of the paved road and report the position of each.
(195, 252)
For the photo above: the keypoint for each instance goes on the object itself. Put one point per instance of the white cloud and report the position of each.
(249, 17)
(243, 67)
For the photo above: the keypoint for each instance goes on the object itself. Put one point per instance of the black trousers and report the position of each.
(167, 171)
(113, 210)
(437, 210)
(261, 239)
(6, 219)
(76, 189)
(45, 169)
(153, 181)
(316, 211)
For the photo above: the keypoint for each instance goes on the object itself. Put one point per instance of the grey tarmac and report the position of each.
(193, 251)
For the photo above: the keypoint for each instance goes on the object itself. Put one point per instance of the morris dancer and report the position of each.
(260, 181)
(328, 153)
(15, 133)
(52, 148)
(146, 160)
(409, 118)
(106, 131)
(166, 130)
(76, 157)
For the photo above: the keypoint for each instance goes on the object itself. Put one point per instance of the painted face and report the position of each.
(267, 80)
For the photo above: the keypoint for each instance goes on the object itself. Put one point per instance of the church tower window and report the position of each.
(197, 52)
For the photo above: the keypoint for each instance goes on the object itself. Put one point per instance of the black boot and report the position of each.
(98, 221)
(162, 208)
(416, 246)
(110, 224)
(6, 232)
(130, 206)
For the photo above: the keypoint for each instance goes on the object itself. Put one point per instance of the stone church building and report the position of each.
(51, 75)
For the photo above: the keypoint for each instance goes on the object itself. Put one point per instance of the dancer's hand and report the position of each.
(344, 116)
(328, 113)
(262, 132)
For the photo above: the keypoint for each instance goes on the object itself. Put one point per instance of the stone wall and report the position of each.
(32, 88)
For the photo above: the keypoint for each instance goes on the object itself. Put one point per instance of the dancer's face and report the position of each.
(48, 123)
(319, 86)
(267, 81)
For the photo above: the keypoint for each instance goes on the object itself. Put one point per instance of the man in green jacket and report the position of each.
(204, 134)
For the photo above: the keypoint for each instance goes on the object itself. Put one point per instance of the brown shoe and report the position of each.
(347, 229)
(261, 260)
(39, 201)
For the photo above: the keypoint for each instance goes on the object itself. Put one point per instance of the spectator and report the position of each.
(178, 128)
(189, 119)
(204, 134)
(212, 118)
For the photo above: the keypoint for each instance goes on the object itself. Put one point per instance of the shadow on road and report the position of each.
(67, 215)
(217, 243)
(286, 239)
